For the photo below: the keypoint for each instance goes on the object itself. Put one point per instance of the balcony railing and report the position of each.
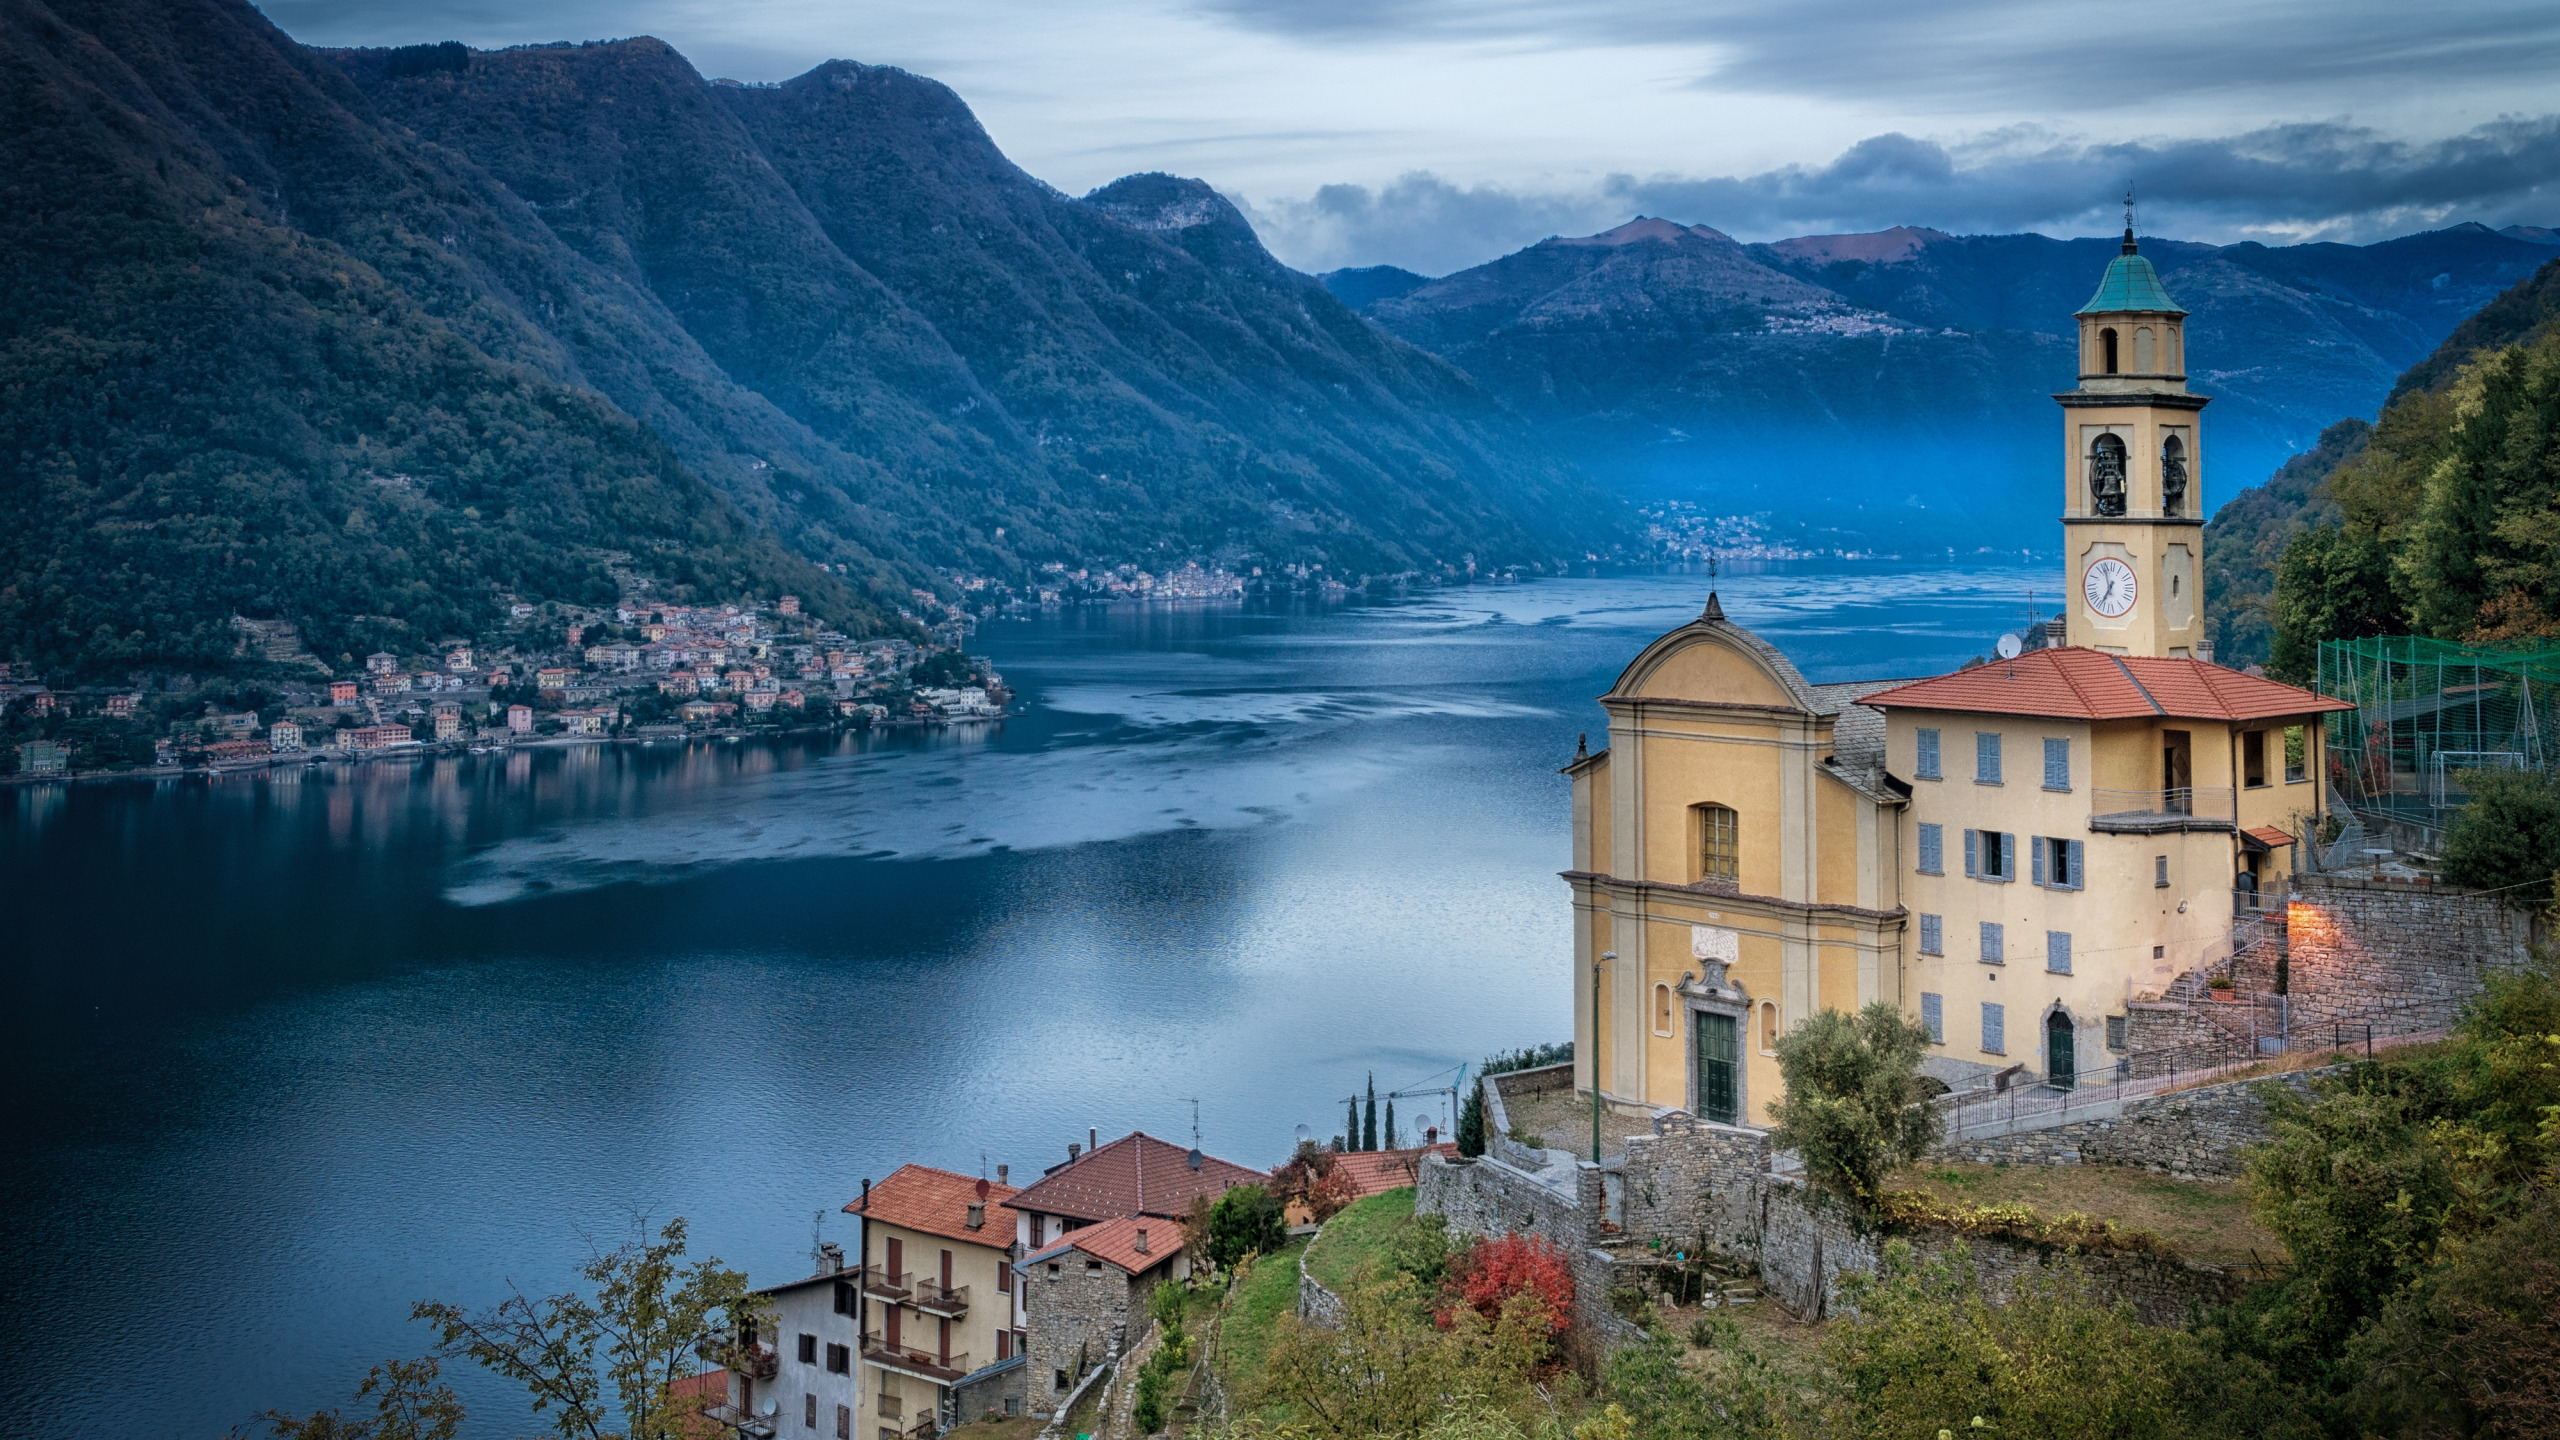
(2141, 812)
(937, 1299)
(725, 1414)
(923, 1364)
(876, 1280)
(890, 1406)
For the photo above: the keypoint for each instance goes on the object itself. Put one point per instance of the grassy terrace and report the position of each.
(2204, 1219)
(1361, 1236)
(1261, 1298)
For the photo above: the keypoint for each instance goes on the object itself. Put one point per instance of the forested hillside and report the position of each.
(372, 339)
(2446, 522)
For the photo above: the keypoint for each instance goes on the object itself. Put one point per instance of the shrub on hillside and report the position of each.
(1492, 1274)
(1246, 1220)
(2508, 838)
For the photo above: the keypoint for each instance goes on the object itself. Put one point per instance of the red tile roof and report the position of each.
(937, 1202)
(1375, 1172)
(1116, 1241)
(1136, 1174)
(2070, 682)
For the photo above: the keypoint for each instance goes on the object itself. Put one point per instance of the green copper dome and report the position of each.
(2130, 284)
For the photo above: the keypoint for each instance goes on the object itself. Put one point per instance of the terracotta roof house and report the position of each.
(1086, 1295)
(1136, 1174)
(943, 1340)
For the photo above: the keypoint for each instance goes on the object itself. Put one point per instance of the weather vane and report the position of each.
(2128, 207)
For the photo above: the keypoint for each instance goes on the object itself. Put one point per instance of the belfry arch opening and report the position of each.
(2173, 477)
(2106, 476)
(2107, 350)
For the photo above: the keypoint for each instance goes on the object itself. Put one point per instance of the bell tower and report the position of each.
(2133, 474)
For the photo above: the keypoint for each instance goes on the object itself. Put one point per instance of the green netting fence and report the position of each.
(2427, 711)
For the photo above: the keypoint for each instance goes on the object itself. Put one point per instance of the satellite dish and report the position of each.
(982, 1187)
(1305, 1134)
(2009, 645)
(772, 1408)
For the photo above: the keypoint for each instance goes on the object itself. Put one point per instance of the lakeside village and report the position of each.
(637, 671)
(2094, 1044)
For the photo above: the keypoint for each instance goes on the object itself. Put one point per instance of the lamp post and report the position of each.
(1595, 1053)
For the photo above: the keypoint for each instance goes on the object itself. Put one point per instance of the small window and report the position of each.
(2115, 1032)
(2253, 758)
(1986, 757)
(2297, 759)
(1994, 1042)
(1994, 943)
(1004, 1345)
(844, 1298)
(1933, 935)
(809, 1412)
(808, 1349)
(2160, 872)
(1053, 1269)
(1717, 843)
(2057, 764)
(1990, 855)
(1061, 1381)
(2057, 951)
(844, 1422)
(1661, 1009)
(1933, 1017)
(1093, 1267)
(1927, 761)
(1004, 1277)
(839, 1359)
(1933, 849)
(2058, 862)
(1768, 1027)
(2107, 350)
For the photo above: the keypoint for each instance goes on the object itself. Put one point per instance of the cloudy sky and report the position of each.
(1436, 134)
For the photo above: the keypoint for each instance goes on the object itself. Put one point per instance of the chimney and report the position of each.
(1092, 1138)
(1073, 1150)
(977, 1215)
(830, 1257)
(866, 1195)
(1000, 1172)
(1142, 1240)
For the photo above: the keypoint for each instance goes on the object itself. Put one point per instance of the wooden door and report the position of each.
(946, 1270)
(1719, 1058)
(897, 1260)
(2061, 1066)
(892, 1322)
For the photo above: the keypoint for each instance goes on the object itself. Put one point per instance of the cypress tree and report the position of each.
(1391, 1123)
(1351, 1127)
(1369, 1127)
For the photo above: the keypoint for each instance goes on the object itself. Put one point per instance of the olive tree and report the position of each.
(1855, 1106)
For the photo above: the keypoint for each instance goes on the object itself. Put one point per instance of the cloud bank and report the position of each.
(2279, 184)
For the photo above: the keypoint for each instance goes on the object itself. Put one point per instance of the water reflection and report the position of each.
(319, 1043)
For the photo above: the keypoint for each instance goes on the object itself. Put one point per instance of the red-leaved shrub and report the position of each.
(1493, 1271)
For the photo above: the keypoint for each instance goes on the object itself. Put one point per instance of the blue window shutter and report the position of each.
(1973, 853)
(1986, 757)
(1992, 947)
(2008, 855)
(2057, 951)
(2035, 852)
(1928, 760)
(2079, 866)
(1933, 1016)
(1992, 1025)
(1933, 849)
(2057, 764)
(1932, 935)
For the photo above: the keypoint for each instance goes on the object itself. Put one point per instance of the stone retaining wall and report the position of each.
(2185, 1132)
(1691, 1183)
(1808, 1241)
(2398, 956)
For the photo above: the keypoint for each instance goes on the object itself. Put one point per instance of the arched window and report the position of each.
(2173, 477)
(2142, 354)
(1661, 1009)
(1719, 843)
(2107, 350)
(1768, 1027)
(2106, 476)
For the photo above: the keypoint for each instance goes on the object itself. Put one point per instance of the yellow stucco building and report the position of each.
(2012, 854)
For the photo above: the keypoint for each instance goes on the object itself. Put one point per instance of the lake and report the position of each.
(289, 1053)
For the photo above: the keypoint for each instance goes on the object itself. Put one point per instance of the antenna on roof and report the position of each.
(1195, 1119)
(2128, 217)
(818, 1237)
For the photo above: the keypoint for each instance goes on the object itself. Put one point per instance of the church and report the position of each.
(2013, 854)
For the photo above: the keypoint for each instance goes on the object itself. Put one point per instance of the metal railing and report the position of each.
(930, 1364)
(877, 1280)
(2186, 807)
(941, 1299)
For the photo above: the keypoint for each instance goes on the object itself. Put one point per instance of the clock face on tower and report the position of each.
(2108, 587)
